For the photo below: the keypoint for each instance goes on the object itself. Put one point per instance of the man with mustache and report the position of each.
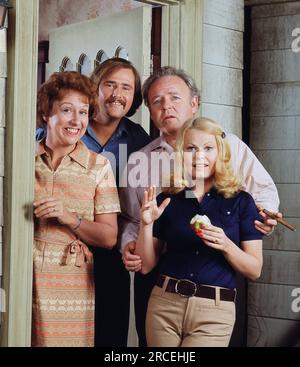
(119, 96)
(172, 98)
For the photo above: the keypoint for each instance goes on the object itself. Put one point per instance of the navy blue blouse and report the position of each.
(187, 257)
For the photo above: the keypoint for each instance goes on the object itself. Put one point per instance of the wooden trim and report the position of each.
(155, 54)
(19, 164)
(146, 52)
(182, 30)
(246, 76)
(160, 2)
(43, 59)
(266, 2)
(181, 36)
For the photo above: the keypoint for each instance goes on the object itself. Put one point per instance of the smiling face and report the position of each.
(202, 153)
(68, 120)
(116, 93)
(171, 104)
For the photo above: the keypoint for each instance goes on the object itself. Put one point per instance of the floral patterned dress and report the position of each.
(63, 285)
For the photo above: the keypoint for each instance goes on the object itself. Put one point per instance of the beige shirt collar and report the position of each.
(80, 154)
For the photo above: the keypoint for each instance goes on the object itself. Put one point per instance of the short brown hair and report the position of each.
(56, 87)
(115, 63)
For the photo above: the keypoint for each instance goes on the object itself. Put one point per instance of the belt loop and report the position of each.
(165, 284)
(217, 294)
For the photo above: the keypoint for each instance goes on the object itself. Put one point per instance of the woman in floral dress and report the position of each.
(76, 206)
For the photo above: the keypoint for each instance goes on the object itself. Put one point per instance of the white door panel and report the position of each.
(131, 30)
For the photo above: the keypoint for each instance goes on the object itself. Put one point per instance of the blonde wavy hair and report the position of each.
(226, 183)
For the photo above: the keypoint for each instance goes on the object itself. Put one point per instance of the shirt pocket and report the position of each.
(229, 218)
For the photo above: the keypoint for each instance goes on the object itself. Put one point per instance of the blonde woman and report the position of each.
(192, 304)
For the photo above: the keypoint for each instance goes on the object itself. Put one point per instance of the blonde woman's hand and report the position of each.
(54, 208)
(215, 237)
(149, 210)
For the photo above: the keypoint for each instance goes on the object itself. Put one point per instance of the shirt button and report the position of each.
(208, 194)
(197, 252)
(228, 213)
(192, 274)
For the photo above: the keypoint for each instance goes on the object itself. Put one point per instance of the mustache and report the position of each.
(113, 99)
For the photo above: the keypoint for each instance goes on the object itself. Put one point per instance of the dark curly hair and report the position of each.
(116, 63)
(57, 86)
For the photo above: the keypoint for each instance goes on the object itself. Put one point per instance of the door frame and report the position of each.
(181, 47)
(22, 37)
(182, 37)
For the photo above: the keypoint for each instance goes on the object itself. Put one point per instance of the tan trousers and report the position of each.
(176, 321)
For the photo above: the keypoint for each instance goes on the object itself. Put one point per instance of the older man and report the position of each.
(172, 97)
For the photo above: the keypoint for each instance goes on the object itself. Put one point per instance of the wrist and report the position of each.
(75, 221)
(146, 225)
(228, 246)
(78, 223)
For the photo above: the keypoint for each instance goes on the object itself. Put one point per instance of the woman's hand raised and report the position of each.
(149, 210)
